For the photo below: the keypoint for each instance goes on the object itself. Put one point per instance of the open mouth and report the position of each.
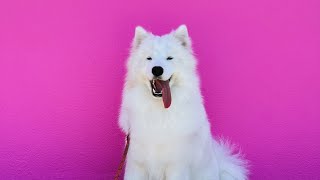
(160, 88)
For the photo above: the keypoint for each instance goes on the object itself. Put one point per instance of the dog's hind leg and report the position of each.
(227, 176)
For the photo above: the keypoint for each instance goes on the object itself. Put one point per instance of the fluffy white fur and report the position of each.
(174, 143)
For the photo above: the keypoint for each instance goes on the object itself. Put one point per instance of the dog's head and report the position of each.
(161, 63)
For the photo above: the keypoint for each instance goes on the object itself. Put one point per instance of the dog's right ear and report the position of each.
(139, 35)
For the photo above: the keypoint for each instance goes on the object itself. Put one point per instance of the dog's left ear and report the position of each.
(181, 33)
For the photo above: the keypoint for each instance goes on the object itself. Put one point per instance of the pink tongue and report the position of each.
(166, 94)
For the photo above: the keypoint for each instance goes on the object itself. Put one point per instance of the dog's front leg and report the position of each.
(134, 171)
(177, 173)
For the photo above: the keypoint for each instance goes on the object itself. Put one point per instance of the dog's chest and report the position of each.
(165, 124)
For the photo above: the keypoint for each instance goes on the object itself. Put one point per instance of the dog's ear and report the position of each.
(139, 35)
(181, 33)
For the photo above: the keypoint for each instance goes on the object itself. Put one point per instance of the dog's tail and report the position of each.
(232, 165)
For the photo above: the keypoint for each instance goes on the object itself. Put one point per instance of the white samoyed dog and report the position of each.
(162, 110)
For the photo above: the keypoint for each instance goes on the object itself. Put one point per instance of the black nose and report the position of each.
(157, 70)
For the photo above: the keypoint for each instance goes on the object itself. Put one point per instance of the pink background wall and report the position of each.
(62, 69)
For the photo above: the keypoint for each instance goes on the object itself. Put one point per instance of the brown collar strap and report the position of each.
(123, 159)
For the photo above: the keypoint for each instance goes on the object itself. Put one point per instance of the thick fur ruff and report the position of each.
(172, 143)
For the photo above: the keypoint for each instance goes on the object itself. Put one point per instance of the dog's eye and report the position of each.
(149, 58)
(169, 58)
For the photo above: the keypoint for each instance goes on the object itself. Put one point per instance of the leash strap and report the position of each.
(123, 159)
